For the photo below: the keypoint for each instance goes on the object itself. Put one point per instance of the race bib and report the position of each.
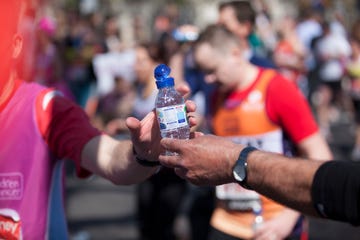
(236, 197)
(233, 195)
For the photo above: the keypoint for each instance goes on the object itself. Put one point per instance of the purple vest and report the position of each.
(31, 180)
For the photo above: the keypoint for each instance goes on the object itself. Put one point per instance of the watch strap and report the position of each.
(145, 162)
(243, 158)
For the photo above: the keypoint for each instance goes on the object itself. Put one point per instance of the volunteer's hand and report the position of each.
(205, 160)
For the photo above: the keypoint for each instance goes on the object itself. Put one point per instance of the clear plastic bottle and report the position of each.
(170, 106)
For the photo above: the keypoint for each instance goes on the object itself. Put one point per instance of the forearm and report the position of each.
(285, 181)
(114, 160)
(328, 189)
(315, 147)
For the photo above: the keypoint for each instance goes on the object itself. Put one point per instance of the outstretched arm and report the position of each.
(115, 160)
(330, 189)
(285, 181)
(209, 160)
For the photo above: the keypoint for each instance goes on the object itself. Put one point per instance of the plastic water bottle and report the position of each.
(170, 106)
(258, 220)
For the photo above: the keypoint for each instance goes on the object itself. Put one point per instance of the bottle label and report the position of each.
(172, 117)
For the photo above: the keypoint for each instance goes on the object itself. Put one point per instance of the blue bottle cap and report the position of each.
(161, 74)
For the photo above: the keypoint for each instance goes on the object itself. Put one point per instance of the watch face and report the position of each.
(239, 172)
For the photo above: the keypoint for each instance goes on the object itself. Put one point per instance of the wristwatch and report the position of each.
(240, 168)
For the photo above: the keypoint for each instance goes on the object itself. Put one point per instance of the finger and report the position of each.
(193, 121)
(149, 118)
(190, 106)
(172, 144)
(183, 89)
(136, 127)
(170, 161)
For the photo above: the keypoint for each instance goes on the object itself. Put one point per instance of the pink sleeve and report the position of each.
(288, 107)
(65, 127)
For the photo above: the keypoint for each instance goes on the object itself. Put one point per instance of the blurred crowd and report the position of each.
(83, 56)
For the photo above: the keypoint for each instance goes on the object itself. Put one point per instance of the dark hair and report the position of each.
(243, 10)
(154, 51)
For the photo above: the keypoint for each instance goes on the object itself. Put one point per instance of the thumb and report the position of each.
(184, 90)
(134, 126)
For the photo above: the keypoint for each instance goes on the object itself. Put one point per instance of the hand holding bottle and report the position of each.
(170, 107)
(145, 134)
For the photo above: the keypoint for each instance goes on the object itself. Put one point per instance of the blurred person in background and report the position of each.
(308, 29)
(42, 127)
(239, 17)
(353, 73)
(185, 70)
(265, 29)
(113, 108)
(78, 48)
(332, 50)
(289, 54)
(194, 219)
(112, 38)
(114, 63)
(251, 108)
(147, 57)
(159, 198)
(47, 61)
(48, 68)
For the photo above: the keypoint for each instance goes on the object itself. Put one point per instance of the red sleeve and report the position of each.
(288, 107)
(65, 127)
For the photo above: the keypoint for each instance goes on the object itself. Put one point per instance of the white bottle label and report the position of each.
(172, 117)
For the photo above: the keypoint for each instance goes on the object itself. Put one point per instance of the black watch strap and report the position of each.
(243, 158)
(144, 162)
(147, 163)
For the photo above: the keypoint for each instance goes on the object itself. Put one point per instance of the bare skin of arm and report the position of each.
(208, 160)
(285, 180)
(114, 159)
(279, 227)
(116, 162)
(315, 147)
